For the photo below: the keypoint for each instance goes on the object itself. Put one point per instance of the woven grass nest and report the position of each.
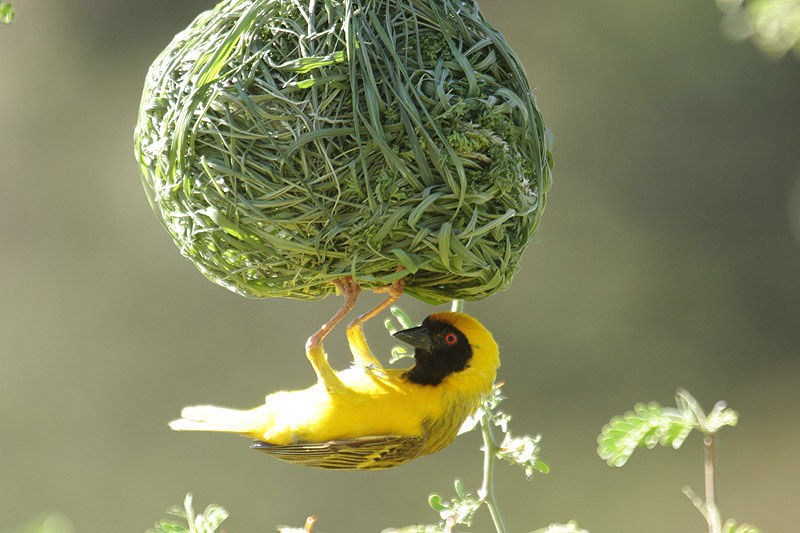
(286, 143)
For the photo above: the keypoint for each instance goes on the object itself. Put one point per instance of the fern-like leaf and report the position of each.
(646, 426)
(731, 527)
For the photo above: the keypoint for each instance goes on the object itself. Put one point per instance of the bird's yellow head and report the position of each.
(452, 347)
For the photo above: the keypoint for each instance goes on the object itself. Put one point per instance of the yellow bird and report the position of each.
(368, 417)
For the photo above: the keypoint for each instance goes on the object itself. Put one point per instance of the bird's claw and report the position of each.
(395, 290)
(349, 288)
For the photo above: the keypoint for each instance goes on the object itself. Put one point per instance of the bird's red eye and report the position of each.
(450, 338)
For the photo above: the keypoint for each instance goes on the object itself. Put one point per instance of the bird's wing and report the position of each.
(361, 453)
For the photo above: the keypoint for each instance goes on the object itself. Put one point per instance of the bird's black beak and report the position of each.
(417, 337)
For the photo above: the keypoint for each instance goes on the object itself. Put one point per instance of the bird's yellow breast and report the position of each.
(376, 402)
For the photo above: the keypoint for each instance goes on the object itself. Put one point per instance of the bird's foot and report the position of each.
(314, 349)
(395, 291)
(362, 355)
(350, 289)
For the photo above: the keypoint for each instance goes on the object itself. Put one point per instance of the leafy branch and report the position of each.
(520, 451)
(651, 424)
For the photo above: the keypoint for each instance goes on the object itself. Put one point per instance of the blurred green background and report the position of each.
(669, 256)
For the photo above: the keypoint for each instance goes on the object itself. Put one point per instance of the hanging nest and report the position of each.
(286, 143)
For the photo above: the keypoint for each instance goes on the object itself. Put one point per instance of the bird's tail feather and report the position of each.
(211, 418)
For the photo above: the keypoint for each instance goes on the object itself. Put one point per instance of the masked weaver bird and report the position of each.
(369, 417)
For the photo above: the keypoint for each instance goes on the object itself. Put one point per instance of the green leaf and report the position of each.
(402, 317)
(459, 510)
(646, 426)
(650, 424)
(435, 501)
(165, 526)
(541, 467)
(210, 519)
(6, 13)
(730, 527)
(407, 260)
(459, 486)
(399, 352)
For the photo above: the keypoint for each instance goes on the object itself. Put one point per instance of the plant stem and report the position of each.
(708, 445)
(486, 492)
(712, 514)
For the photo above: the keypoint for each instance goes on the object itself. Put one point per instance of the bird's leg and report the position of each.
(314, 350)
(362, 355)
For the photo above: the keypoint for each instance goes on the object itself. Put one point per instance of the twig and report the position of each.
(708, 507)
(712, 514)
(486, 492)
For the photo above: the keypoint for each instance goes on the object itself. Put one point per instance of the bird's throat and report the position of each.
(432, 369)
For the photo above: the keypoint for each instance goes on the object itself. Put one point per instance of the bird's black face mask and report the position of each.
(440, 350)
